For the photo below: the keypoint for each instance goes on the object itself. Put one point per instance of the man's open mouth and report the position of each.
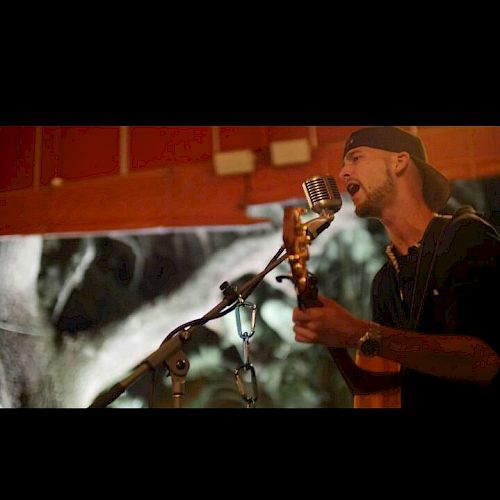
(353, 188)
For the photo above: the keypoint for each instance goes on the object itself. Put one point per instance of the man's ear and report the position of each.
(403, 160)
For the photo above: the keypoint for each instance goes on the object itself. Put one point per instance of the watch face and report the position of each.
(370, 347)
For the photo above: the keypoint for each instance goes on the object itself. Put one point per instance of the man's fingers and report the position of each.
(302, 334)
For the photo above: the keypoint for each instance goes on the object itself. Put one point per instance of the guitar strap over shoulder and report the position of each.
(425, 264)
(436, 233)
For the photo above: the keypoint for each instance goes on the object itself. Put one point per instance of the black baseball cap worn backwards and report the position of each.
(436, 187)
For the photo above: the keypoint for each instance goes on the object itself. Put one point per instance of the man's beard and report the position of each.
(378, 198)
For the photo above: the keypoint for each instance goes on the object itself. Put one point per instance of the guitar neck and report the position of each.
(306, 303)
(296, 242)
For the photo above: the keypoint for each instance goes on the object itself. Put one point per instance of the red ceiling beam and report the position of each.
(170, 179)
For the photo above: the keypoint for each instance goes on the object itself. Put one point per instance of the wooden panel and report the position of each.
(289, 132)
(485, 141)
(231, 138)
(89, 151)
(158, 147)
(175, 197)
(463, 152)
(17, 152)
(72, 153)
(446, 143)
(51, 154)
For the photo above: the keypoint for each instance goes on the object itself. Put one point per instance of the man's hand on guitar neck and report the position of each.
(330, 325)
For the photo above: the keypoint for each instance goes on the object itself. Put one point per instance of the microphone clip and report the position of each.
(316, 226)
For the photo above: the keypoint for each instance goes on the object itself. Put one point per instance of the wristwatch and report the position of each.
(371, 342)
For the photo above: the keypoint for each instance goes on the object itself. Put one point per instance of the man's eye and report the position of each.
(355, 157)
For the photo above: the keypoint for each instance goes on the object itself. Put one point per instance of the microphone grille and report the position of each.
(322, 192)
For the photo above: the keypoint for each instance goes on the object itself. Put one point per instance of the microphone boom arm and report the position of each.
(316, 226)
(169, 348)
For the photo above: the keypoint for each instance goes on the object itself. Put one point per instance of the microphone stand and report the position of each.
(170, 351)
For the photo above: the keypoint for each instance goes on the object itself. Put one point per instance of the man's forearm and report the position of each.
(450, 356)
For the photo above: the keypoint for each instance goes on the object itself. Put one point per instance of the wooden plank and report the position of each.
(169, 198)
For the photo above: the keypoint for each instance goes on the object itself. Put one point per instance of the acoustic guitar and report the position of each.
(374, 382)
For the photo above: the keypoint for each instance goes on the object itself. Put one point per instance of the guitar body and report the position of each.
(389, 398)
(373, 381)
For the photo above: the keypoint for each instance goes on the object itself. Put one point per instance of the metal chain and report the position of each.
(249, 396)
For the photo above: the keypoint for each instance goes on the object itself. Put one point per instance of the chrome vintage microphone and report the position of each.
(323, 197)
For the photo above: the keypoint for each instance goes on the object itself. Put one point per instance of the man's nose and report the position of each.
(345, 173)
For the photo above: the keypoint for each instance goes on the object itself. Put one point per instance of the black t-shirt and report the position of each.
(460, 300)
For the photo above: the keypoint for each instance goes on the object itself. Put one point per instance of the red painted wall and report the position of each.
(17, 153)
(77, 153)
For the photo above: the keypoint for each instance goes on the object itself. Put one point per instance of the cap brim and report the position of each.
(436, 187)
